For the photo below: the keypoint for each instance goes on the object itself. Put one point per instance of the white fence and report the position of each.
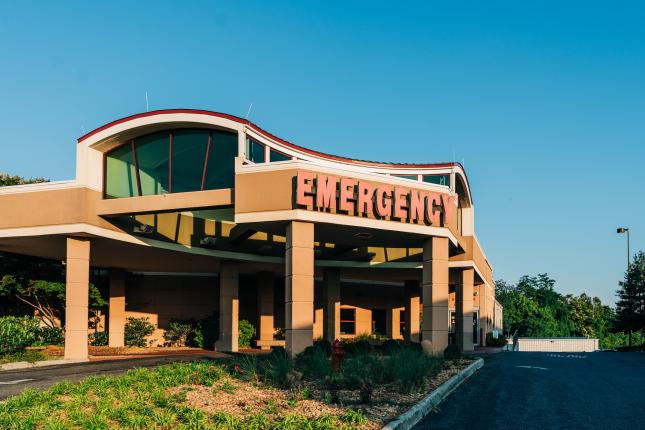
(557, 344)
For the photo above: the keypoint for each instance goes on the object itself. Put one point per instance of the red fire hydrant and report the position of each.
(337, 355)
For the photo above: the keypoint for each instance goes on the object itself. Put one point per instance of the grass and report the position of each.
(27, 355)
(144, 399)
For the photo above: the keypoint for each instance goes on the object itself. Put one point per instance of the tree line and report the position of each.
(533, 308)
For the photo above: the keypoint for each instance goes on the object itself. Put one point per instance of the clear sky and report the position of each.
(544, 103)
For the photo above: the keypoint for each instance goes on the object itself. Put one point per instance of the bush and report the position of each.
(313, 363)
(246, 332)
(408, 367)
(491, 341)
(279, 370)
(205, 333)
(324, 345)
(17, 333)
(391, 346)
(99, 338)
(357, 346)
(361, 369)
(137, 330)
(50, 336)
(452, 352)
(620, 340)
(178, 332)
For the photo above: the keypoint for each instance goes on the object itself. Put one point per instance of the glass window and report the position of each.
(402, 322)
(411, 177)
(277, 156)
(437, 179)
(254, 151)
(347, 321)
(188, 155)
(220, 172)
(152, 153)
(121, 176)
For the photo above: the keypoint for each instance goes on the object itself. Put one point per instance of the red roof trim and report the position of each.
(269, 135)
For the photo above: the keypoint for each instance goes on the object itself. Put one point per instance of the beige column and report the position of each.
(331, 304)
(299, 287)
(77, 279)
(228, 307)
(483, 314)
(435, 293)
(265, 307)
(116, 324)
(464, 281)
(412, 311)
(393, 321)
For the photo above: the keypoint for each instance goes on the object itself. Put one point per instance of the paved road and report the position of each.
(524, 390)
(14, 381)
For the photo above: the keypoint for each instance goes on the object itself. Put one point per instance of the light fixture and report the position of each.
(363, 235)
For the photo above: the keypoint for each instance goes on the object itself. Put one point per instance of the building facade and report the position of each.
(197, 213)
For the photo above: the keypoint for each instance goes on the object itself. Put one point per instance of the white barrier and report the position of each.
(557, 344)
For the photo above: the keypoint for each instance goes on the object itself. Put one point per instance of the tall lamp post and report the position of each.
(621, 230)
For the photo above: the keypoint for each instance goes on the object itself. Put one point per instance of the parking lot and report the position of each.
(524, 390)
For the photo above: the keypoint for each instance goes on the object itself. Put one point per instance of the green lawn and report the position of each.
(28, 355)
(145, 399)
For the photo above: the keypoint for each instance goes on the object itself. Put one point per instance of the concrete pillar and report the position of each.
(464, 281)
(331, 304)
(266, 285)
(116, 324)
(435, 293)
(412, 311)
(299, 287)
(393, 321)
(483, 314)
(77, 279)
(228, 307)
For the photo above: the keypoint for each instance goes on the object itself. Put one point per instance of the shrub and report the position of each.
(178, 332)
(205, 333)
(491, 341)
(357, 346)
(50, 336)
(279, 369)
(99, 338)
(246, 332)
(409, 367)
(324, 345)
(313, 363)
(137, 330)
(391, 346)
(452, 352)
(17, 333)
(362, 368)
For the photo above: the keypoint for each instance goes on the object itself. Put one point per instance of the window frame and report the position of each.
(341, 320)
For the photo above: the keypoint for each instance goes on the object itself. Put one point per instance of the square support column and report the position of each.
(483, 315)
(266, 288)
(299, 287)
(464, 309)
(331, 305)
(393, 321)
(435, 293)
(116, 323)
(77, 279)
(228, 307)
(412, 311)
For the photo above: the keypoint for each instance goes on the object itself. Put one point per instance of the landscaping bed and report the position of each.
(248, 391)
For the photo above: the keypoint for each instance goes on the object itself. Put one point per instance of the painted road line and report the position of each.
(16, 381)
(533, 367)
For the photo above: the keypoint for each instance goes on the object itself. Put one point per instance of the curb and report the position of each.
(27, 365)
(408, 419)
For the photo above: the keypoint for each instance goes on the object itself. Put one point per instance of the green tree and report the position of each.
(7, 179)
(630, 308)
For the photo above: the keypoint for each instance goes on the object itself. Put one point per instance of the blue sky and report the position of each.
(543, 102)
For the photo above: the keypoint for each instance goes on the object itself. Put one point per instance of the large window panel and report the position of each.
(121, 176)
(220, 171)
(277, 156)
(153, 154)
(254, 151)
(188, 155)
(437, 179)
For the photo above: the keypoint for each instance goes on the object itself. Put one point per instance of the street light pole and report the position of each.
(625, 230)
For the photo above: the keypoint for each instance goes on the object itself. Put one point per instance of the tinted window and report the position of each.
(278, 156)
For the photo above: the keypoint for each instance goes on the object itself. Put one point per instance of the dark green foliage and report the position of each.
(246, 332)
(313, 363)
(137, 330)
(361, 368)
(178, 332)
(491, 341)
(630, 308)
(325, 345)
(7, 180)
(408, 367)
(279, 368)
(99, 338)
(356, 346)
(452, 352)
(205, 333)
(17, 333)
(391, 346)
(49, 336)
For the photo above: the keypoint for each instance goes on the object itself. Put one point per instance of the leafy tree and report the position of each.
(6, 179)
(630, 308)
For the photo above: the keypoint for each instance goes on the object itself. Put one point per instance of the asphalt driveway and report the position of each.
(523, 390)
(15, 381)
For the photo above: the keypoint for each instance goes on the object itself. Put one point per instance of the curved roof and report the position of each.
(271, 136)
